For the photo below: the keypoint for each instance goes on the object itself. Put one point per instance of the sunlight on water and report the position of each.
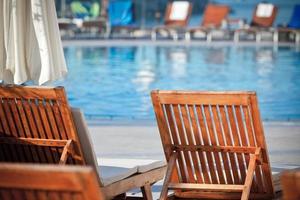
(115, 82)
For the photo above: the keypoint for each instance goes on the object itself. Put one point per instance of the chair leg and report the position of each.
(147, 192)
(249, 177)
(170, 169)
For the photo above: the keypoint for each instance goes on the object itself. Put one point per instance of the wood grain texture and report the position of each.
(36, 126)
(217, 136)
(50, 182)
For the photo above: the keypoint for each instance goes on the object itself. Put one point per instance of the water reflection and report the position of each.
(145, 74)
(122, 77)
(179, 58)
(216, 56)
(264, 58)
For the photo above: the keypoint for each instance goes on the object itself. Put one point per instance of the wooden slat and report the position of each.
(207, 187)
(17, 194)
(218, 163)
(54, 195)
(24, 151)
(17, 92)
(26, 130)
(212, 148)
(42, 195)
(261, 142)
(44, 153)
(32, 131)
(59, 121)
(67, 119)
(16, 151)
(228, 139)
(206, 141)
(185, 157)
(33, 141)
(222, 143)
(50, 181)
(29, 195)
(9, 150)
(203, 98)
(220, 195)
(243, 140)
(236, 142)
(190, 141)
(53, 129)
(44, 128)
(5, 195)
(198, 142)
(257, 175)
(176, 141)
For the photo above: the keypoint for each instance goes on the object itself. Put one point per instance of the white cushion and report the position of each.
(264, 10)
(110, 170)
(113, 170)
(179, 10)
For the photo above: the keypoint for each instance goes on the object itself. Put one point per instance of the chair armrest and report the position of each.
(67, 145)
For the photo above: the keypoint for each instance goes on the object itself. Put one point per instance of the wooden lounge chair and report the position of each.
(36, 126)
(28, 181)
(214, 144)
(213, 17)
(290, 181)
(263, 18)
(176, 17)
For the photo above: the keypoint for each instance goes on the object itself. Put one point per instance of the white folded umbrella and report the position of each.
(30, 44)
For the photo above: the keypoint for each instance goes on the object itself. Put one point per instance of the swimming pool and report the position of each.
(111, 82)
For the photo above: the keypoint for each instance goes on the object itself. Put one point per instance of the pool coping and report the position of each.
(126, 42)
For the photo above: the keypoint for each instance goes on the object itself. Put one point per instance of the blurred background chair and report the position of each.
(121, 17)
(177, 17)
(262, 21)
(213, 17)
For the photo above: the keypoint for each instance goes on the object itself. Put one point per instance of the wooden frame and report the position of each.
(28, 181)
(36, 126)
(265, 22)
(259, 24)
(213, 16)
(172, 26)
(214, 144)
(290, 181)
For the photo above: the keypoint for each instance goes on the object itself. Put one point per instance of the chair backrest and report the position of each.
(290, 181)
(264, 15)
(121, 12)
(29, 114)
(51, 182)
(295, 19)
(178, 13)
(214, 15)
(212, 119)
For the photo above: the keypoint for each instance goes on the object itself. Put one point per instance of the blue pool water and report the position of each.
(114, 82)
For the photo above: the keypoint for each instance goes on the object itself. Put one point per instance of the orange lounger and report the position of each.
(214, 144)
